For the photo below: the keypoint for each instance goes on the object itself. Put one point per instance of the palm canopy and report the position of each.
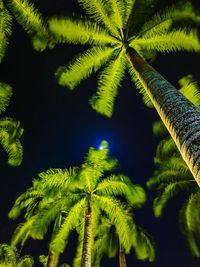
(61, 196)
(109, 29)
(10, 129)
(173, 176)
(9, 257)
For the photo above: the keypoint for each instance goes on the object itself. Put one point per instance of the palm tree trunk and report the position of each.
(87, 241)
(122, 259)
(179, 115)
(50, 260)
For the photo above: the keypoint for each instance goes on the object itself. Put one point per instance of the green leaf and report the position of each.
(5, 94)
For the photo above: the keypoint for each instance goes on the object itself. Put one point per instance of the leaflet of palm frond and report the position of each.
(165, 149)
(141, 11)
(190, 236)
(176, 164)
(189, 88)
(7, 254)
(83, 66)
(145, 247)
(167, 176)
(98, 11)
(168, 192)
(5, 94)
(174, 40)
(159, 129)
(117, 214)
(10, 132)
(25, 261)
(163, 20)
(5, 29)
(192, 213)
(108, 84)
(32, 22)
(68, 30)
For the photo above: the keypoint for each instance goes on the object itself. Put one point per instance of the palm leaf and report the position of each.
(7, 254)
(5, 29)
(108, 83)
(190, 89)
(31, 20)
(97, 10)
(83, 66)
(117, 13)
(192, 213)
(79, 32)
(175, 40)
(25, 261)
(159, 129)
(10, 132)
(5, 94)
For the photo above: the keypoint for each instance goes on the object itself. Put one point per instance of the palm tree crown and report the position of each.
(111, 27)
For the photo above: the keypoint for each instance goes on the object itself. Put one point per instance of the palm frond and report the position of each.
(10, 132)
(175, 40)
(5, 29)
(7, 254)
(59, 241)
(117, 214)
(31, 20)
(83, 66)
(192, 213)
(25, 261)
(169, 191)
(97, 10)
(79, 32)
(117, 13)
(145, 247)
(166, 149)
(159, 129)
(190, 89)
(5, 93)
(108, 83)
(128, 6)
(190, 236)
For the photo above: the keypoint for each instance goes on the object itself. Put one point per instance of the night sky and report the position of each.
(60, 126)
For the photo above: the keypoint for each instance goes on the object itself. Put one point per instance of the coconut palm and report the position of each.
(83, 193)
(121, 37)
(28, 17)
(173, 176)
(9, 257)
(108, 243)
(10, 129)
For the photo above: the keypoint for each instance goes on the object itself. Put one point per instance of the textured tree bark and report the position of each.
(87, 241)
(122, 259)
(51, 259)
(179, 115)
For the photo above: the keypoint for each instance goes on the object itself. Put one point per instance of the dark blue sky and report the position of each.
(60, 126)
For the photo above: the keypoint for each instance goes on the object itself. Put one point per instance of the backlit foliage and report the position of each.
(111, 27)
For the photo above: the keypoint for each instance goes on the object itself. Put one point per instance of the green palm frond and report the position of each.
(10, 133)
(165, 149)
(5, 29)
(25, 261)
(108, 83)
(7, 254)
(159, 129)
(117, 13)
(79, 32)
(192, 213)
(5, 94)
(59, 241)
(117, 214)
(190, 236)
(97, 10)
(83, 66)
(190, 89)
(144, 248)
(31, 20)
(169, 191)
(174, 40)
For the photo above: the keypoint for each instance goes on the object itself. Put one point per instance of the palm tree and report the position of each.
(9, 257)
(10, 129)
(121, 37)
(85, 193)
(173, 176)
(28, 17)
(107, 242)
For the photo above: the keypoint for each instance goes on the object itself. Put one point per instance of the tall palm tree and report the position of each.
(9, 257)
(10, 129)
(67, 199)
(107, 242)
(29, 18)
(173, 176)
(121, 37)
